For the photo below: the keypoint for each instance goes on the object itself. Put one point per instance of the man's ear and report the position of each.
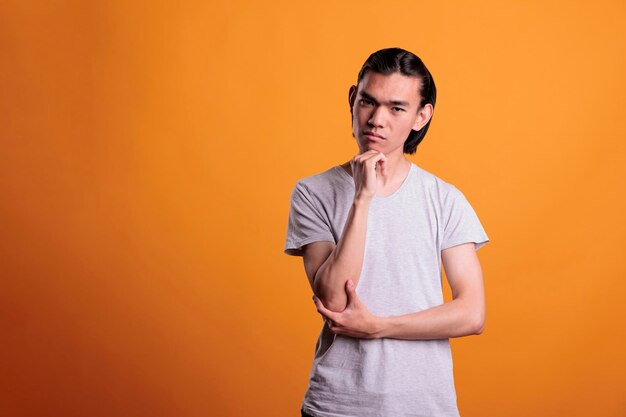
(351, 96)
(423, 116)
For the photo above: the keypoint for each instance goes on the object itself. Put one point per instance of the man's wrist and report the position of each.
(382, 326)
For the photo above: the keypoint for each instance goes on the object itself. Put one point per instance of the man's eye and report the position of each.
(398, 109)
(364, 102)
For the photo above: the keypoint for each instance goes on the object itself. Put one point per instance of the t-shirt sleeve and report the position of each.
(461, 224)
(306, 222)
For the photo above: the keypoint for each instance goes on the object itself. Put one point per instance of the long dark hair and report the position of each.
(391, 60)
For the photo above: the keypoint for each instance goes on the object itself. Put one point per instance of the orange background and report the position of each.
(147, 155)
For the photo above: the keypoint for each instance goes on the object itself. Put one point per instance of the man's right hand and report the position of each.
(365, 169)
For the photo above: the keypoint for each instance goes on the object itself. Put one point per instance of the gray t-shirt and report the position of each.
(401, 274)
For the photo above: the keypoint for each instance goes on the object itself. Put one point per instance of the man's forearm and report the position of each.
(346, 260)
(455, 318)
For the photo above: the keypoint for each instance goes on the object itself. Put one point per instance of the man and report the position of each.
(373, 233)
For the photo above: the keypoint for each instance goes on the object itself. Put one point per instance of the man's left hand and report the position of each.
(355, 321)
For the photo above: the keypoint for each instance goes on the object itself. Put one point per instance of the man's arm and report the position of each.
(463, 316)
(329, 267)
(346, 259)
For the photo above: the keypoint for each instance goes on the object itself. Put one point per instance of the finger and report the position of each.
(374, 155)
(323, 310)
(377, 159)
(382, 164)
(356, 164)
(371, 159)
(334, 327)
(350, 291)
(318, 305)
(361, 160)
(322, 315)
(362, 157)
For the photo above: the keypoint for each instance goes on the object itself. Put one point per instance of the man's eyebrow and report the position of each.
(392, 102)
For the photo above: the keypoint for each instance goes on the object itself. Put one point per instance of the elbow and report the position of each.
(334, 298)
(335, 304)
(478, 324)
(471, 319)
(333, 301)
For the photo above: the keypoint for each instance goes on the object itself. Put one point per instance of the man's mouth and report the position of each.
(373, 136)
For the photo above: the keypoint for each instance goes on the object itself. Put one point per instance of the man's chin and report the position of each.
(373, 145)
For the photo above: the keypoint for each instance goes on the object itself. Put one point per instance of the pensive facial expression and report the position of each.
(385, 108)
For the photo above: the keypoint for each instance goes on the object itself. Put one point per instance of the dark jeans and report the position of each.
(305, 414)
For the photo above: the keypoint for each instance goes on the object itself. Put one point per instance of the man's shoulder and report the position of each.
(433, 182)
(321, 181)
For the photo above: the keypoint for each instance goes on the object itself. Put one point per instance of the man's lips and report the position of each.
(373, 136)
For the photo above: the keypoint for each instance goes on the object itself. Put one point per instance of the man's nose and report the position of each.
(377, 117)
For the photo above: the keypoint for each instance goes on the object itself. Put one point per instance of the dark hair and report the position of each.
(391, 60)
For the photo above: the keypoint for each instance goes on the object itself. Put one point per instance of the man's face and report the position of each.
(387, 106)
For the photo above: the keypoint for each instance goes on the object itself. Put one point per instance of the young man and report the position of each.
(373, 233)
